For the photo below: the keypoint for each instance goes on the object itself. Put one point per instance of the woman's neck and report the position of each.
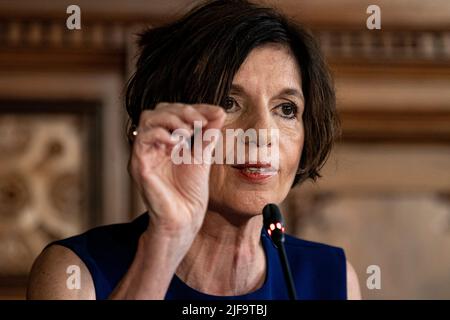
(225, 258)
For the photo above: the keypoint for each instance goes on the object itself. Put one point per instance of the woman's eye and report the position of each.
(231, 105)
(287, 110)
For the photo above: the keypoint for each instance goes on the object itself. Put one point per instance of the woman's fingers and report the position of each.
(188, 113)
(215, 115)
(193, 112)
(150, 137)
(167, 120)
(156, 127)
(209, 111)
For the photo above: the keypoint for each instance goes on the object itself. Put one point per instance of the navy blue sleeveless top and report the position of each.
(319, 270)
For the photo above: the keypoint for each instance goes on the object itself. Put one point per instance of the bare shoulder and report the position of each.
(49, 276)
(353, 290)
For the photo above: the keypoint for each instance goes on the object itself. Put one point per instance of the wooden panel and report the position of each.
(320, 13)
(396, 126)
(406, 234)
(388, 167)
(104, 87)
(386, 205)
(49, 177)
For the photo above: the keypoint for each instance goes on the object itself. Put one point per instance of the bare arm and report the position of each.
(148, 277)
(48, 277)
(153, 267)
(353, 290)
(176, 197)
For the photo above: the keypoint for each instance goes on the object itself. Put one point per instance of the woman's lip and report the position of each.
(255, 176)
(255, 165)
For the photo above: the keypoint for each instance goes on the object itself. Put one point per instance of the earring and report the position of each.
(133, 131)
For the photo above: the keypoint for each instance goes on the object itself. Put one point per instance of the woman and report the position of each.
(228, 65)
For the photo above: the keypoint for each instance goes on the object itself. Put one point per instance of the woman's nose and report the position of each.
(260, 121)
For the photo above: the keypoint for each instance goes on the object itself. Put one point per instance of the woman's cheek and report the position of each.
(291, 147)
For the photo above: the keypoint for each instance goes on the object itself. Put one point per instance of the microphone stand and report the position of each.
(279, 243)
(273, 222)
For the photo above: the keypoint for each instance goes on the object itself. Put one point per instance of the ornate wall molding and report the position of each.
(104, 36)
(381, 46)
(53, 33)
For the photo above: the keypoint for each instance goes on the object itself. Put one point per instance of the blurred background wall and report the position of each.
(385, 192)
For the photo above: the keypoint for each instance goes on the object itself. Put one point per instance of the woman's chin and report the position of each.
(250, 203)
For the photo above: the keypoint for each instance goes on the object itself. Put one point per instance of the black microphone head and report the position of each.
(268, 212)
(272, 214)
(273, 222)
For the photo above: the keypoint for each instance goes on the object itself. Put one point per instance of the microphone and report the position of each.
(273, 222)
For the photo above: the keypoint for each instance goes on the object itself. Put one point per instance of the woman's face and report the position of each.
(266, 94)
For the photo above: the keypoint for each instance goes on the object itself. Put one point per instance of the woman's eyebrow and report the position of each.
(292, 92)
(239, 90)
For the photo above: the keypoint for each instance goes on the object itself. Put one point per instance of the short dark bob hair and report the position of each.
(194, 60)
